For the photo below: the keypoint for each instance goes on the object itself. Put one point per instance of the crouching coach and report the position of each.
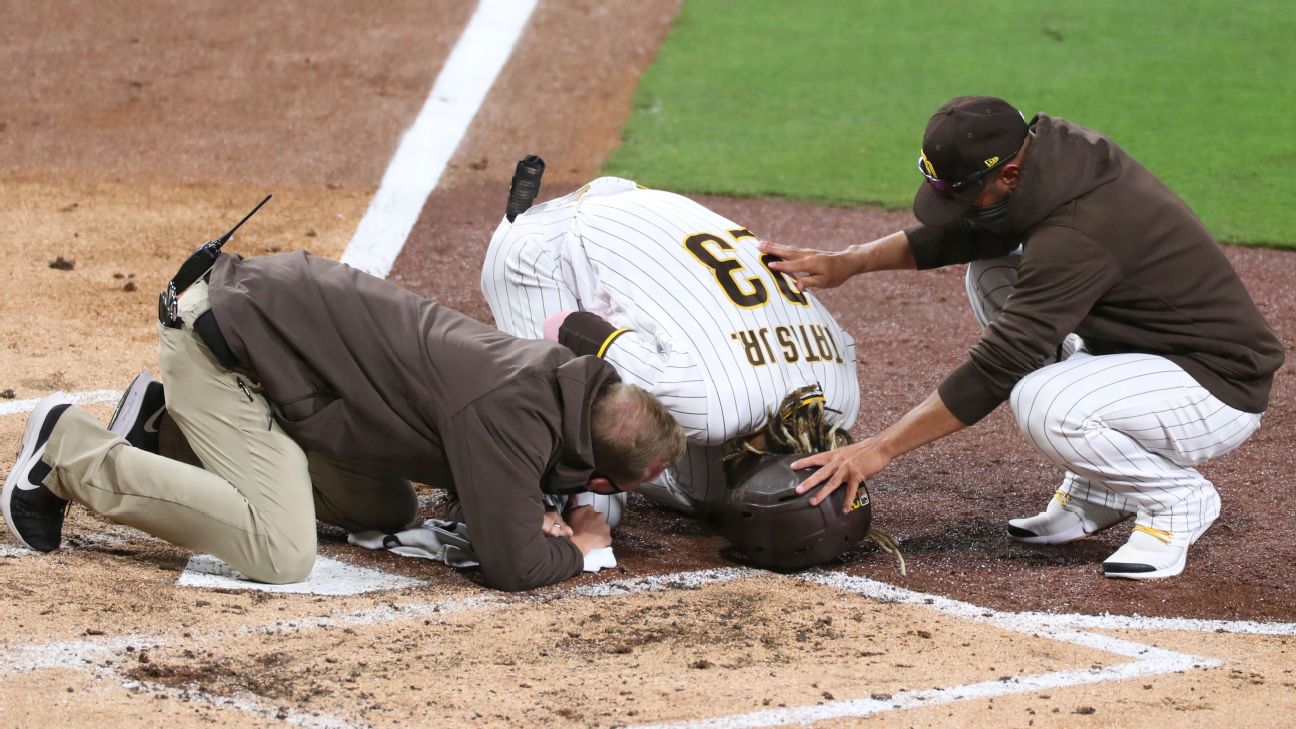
(308, 388)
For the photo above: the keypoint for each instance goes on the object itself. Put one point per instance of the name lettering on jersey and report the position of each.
(809, 350)
(803, 342)
(750, 341)
(788, 343)
(832, 343)
(764, 332)
(823, 343)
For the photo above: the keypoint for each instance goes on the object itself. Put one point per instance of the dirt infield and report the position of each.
(129, 136)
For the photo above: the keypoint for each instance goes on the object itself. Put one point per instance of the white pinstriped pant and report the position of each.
(1127, 428)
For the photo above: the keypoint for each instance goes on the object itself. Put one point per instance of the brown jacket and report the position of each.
(363, 370)
(1109, 253)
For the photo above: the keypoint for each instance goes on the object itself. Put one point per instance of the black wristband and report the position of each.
(585, 333)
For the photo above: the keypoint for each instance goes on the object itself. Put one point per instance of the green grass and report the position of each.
(827, 100)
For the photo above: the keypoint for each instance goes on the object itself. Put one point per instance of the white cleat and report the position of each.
(1153, 554)
(1065, 520)
(1150, 554)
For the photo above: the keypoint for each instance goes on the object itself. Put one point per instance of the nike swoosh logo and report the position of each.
(24, 482)
(151, 425)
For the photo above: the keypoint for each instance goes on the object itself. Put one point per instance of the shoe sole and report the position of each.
(25, 453)
(1132, 571)
(128, 408)
(1172, 571)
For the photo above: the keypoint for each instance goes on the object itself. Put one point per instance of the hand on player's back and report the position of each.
(812, 268)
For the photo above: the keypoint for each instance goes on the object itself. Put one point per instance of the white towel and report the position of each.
(600, 558)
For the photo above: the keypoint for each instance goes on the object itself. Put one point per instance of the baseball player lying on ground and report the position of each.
(1066, 233)
(303, 388)
(681, 302)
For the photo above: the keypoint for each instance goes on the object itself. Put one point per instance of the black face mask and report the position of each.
(989, 213)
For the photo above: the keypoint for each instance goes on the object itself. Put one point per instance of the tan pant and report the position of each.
(254, 501)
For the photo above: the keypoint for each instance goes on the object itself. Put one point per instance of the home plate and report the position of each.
(328, 577)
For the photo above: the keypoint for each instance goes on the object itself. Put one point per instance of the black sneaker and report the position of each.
(139, 413)
(32, 512)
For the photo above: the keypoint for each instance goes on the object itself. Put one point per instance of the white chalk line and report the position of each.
(1149, 661)
(420, 160)
(92, 654)
(250, 705)
(89, 397)
(489, 601)
(99, 656)
(426, 148)
(1037, 621)
(469, 71)
(859, 708)
(81, 653)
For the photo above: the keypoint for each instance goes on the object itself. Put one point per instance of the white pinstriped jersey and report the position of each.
(715, 334)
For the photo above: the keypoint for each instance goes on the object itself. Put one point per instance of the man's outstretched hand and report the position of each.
(812, 269)
(849, 465)
(827, 269)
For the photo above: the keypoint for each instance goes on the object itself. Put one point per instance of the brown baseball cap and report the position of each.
(964, 141)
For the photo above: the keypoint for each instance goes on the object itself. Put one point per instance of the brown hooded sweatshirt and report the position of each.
(1110, 253)
(363, 370)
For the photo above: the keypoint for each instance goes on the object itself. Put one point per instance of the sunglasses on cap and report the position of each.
(955, 188)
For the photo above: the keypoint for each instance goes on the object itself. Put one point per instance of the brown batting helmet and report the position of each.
(777, 528)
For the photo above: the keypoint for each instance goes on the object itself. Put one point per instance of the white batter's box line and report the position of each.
(672, 581)
(90, 655)
(1150, 661)
(85, 654)
(855, 708)
(246, 703)
(1187, 625)
(89, 397)
(427, 146)
(70, 653)
(93, 656)
(1025, 622)
(393, 612)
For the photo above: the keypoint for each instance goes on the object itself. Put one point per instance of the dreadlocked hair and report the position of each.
(800, 424)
